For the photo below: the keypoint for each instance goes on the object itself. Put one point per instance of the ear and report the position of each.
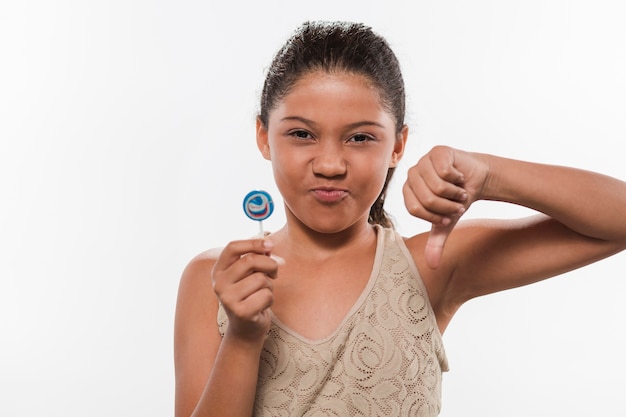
(262, 140)
(398, 148)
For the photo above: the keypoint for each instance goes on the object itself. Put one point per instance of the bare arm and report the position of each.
(591, 204)
(215, 376)
(584, 220)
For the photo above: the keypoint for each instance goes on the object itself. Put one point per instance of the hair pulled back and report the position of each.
(339, 47)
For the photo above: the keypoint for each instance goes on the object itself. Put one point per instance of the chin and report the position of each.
(321, 220)
(330, 227)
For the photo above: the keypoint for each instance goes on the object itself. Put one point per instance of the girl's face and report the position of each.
(331, 143)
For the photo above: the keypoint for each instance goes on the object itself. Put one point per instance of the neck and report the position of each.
(299, 240)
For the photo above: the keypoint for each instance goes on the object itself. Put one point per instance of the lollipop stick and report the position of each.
(261, 233)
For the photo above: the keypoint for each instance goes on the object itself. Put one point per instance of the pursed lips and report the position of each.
(329, 194)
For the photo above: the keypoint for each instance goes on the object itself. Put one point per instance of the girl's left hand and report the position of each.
(440, 188)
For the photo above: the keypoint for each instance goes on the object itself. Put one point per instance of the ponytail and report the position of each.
(378, 215)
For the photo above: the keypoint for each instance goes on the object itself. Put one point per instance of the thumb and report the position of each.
(435, 243)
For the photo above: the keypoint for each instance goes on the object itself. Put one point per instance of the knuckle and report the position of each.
(217, 281)
(439, 188)
(445, 170)
(256, 280)
(247, 260)
(238, 310)
(406, 190)
(440, 149)
(415, 209)
(429, 200)
(269, 297)
(230, 246)
(226, 300)
(217, 287)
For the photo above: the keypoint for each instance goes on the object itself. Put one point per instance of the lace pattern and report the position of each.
(386, 358)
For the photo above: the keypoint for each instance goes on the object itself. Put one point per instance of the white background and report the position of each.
(127, 145)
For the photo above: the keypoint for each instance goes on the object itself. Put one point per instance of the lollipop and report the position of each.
(258, 205)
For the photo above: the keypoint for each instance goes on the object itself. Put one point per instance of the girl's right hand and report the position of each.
(242, 281)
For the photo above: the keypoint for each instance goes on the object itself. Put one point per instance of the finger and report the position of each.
(235, 251)
(421, 202)
(433, 201)
(249, 296)
(436, 242)
(440, 181)
(262, 316)
(251, 318)
(252, 284)
(253, 262)
(416, 208)
(258, 302)
(244, 277)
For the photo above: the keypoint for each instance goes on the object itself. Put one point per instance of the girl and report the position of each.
(335, 313)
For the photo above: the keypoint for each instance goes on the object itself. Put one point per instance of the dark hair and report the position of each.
(339, 47)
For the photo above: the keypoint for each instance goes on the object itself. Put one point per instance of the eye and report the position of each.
(300, 134)
(361, 138)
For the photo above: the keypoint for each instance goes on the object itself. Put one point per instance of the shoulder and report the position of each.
(196, 277)
(197, 304)
(201, 263)
(196, 298)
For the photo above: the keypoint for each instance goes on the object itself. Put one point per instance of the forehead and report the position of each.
(335, 80)
(323, 94)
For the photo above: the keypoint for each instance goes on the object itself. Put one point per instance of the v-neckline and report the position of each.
(380, 242)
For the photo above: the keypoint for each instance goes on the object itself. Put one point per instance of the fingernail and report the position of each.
(268, 244)
(278, 259)
(461, 210)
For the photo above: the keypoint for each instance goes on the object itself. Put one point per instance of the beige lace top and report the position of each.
(386, 358)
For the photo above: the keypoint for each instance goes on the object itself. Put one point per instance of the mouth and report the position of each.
(329, 195)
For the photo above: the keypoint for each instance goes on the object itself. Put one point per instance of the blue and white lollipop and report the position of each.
(258, 205)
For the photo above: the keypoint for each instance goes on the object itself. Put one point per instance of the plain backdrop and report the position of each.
(127, 145)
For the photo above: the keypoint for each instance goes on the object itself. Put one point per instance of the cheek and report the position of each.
(371, 178)
(380, 179)
(287, 168)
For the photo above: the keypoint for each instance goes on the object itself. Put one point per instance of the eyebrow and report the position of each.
(350, 126)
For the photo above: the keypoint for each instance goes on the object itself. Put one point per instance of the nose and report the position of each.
(330, 161)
